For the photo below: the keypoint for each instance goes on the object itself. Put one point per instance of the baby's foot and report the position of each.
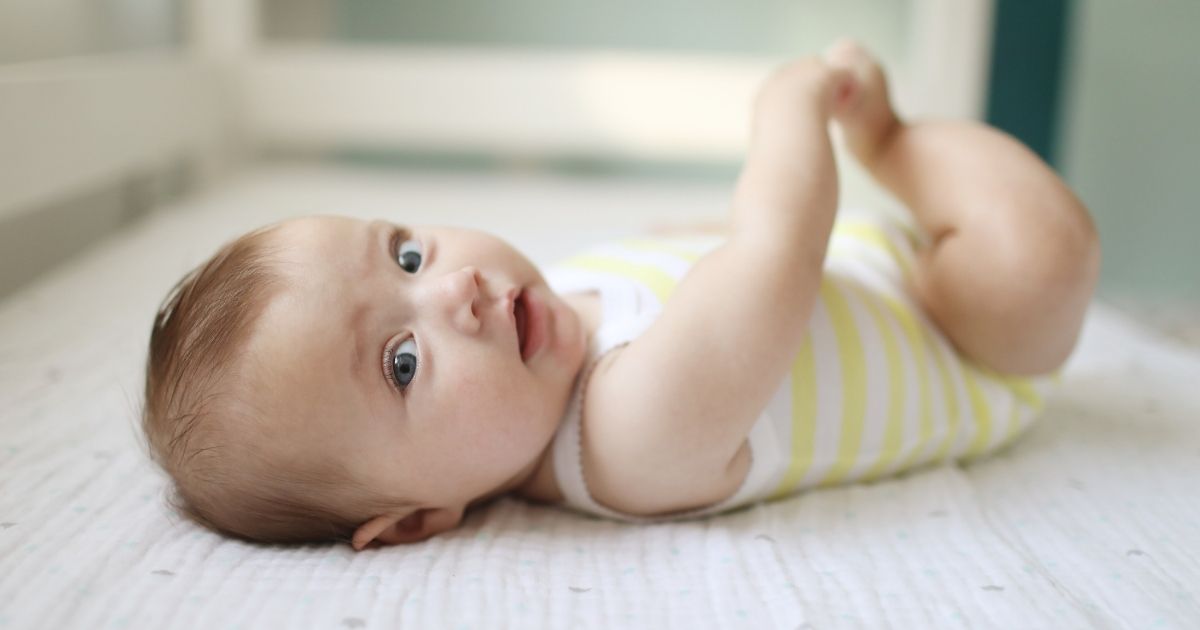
(866, 116)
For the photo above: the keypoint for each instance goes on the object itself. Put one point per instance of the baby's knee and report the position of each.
(1041, 254)
(1064, 253)
(1013, 297)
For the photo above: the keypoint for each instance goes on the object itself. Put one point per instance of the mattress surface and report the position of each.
(1092, 520)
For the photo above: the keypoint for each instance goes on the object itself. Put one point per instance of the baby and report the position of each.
(334, 379)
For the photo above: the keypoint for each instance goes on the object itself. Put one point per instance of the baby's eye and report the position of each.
(409, 255)
(404, 363)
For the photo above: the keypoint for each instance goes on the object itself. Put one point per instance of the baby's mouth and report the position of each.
(522, 319)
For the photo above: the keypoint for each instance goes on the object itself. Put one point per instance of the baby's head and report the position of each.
(335, 379)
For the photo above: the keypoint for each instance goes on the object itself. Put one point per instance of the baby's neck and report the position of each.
(588, 307)
(540, 484)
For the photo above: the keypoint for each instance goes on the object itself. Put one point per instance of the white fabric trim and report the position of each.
(626, 316)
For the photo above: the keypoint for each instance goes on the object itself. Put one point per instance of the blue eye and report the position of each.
(409, 256)
(404, 363)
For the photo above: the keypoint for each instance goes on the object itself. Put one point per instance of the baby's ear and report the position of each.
(392, 529)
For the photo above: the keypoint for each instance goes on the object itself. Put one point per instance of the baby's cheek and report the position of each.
(478, 389)
(504, 410)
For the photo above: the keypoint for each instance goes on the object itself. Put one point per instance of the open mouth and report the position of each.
(522, 316)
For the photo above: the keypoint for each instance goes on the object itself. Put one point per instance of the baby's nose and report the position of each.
(458, 293)
(465, 282)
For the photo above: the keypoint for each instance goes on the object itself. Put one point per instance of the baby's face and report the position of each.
(435, 363)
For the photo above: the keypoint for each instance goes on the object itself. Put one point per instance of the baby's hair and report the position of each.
(201, 425)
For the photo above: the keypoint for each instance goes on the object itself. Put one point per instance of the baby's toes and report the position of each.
(849, 54)
(866, 114)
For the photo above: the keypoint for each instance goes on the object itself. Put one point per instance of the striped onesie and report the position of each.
(875, 389)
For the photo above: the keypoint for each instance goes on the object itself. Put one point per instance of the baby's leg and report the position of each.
(1014, 255)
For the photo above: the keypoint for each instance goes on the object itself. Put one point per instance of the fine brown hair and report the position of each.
(201, 425)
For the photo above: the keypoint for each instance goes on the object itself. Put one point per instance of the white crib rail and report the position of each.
(528, 102)
(68, 124)
(71, 125)
(76, 126)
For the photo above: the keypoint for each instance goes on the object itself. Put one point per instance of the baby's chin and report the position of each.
(575, 346)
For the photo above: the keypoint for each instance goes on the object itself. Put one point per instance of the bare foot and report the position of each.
(866, 117)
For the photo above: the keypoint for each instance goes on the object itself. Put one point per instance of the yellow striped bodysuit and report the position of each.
(876, 389)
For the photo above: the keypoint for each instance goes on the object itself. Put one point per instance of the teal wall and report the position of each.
(1130, 141)
(1025, 74)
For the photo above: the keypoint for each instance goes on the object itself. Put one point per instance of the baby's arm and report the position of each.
(666, 418)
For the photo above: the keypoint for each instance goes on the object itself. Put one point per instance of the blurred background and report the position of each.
(112, 109)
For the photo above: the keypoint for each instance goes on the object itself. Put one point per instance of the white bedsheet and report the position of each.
(1091, 521)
